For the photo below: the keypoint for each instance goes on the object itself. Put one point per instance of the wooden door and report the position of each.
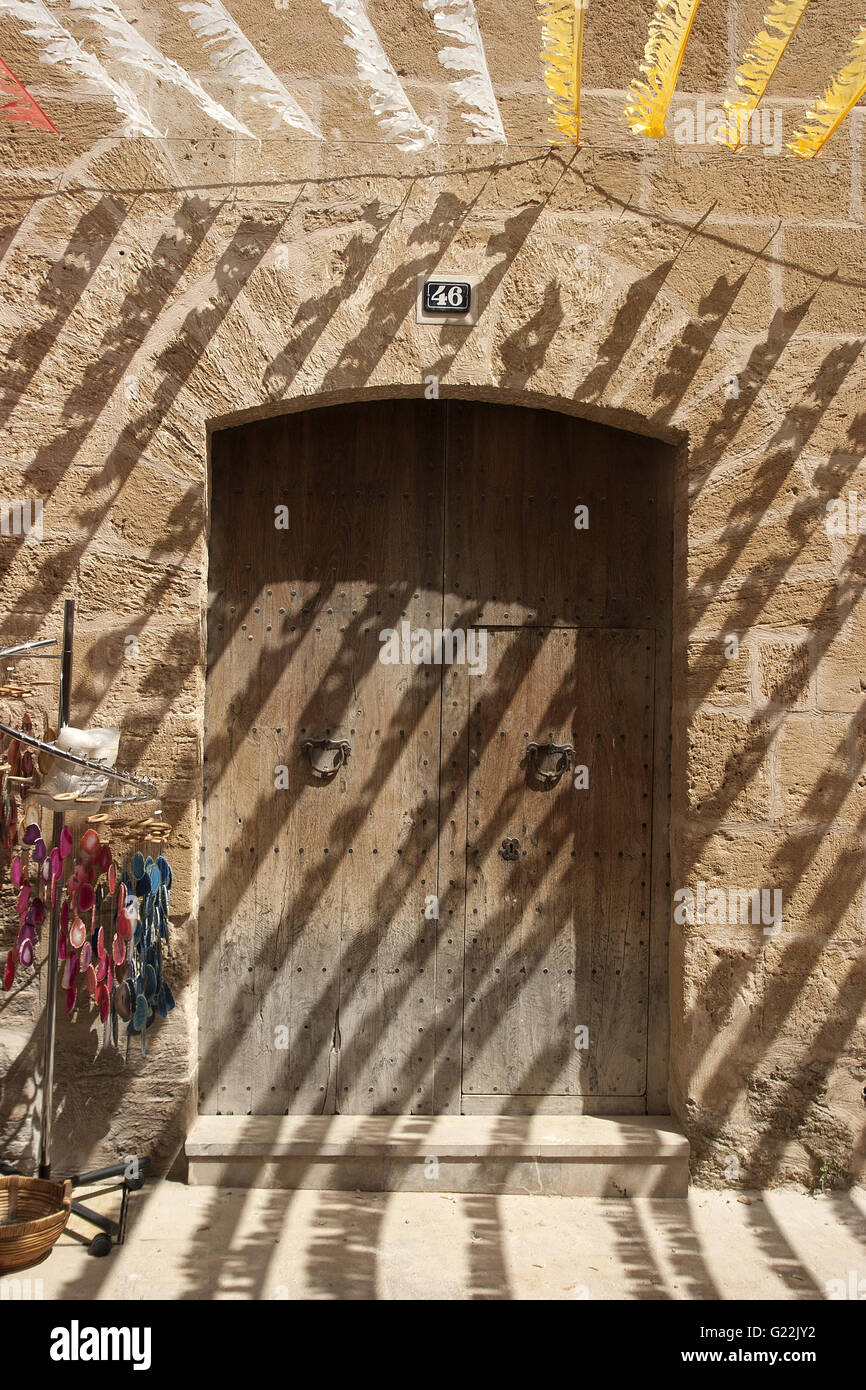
(578, 623)
(364, 947)
(312, 933)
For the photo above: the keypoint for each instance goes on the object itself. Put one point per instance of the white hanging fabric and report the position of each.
(231, 49)
(388, 101)
(60, 49)
(457, 20)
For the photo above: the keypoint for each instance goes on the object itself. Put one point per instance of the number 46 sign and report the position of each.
(447, 298)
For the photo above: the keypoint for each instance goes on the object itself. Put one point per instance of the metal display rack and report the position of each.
(130, 1170)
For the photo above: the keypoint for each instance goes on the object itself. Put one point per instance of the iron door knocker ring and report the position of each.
(550, 760)
(326, 756)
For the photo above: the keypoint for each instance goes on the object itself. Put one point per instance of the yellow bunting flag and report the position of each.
(663, 57)
(562, 26)
(760, 61)
(847, 88)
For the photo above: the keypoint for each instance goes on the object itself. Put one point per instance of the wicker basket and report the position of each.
(33, 1212)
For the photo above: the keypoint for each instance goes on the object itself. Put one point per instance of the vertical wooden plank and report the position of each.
(271, 946)
(658, 1019)
(386, 1008)
(618, 691)
(449, 927)
(237, 970)
(386, 1033)
(307, 554)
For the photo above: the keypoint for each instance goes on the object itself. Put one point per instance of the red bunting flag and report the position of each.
(20, 105)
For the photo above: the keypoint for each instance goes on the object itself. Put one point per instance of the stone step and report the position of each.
(574, 1156)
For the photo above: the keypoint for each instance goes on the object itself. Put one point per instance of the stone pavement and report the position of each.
(204, 1243)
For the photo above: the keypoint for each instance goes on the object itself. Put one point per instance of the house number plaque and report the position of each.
(447, 298)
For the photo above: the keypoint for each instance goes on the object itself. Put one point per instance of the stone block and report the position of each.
(728, 767)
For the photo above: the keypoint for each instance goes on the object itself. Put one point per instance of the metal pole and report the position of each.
(54, 932)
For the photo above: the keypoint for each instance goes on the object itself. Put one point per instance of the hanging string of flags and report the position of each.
(562, 24)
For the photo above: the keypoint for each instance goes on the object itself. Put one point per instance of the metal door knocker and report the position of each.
(509, 849)
(326, 756)
(550, 760)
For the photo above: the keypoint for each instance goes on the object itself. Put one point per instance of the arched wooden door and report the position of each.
(406, 907)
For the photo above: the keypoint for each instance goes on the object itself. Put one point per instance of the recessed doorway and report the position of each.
(436, 765)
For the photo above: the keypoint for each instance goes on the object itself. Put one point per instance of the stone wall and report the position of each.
(154, 290)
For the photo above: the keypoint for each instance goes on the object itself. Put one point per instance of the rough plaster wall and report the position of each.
(149, 291)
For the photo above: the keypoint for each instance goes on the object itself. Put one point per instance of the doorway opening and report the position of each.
(436, 764)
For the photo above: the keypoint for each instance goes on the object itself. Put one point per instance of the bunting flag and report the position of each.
(458, 21)
(60, 49)
(388, 101)
(231, 49)
(847, 88)
(21, 106)
(760, 61)
(562, 26)
(130, 48)
(663, 57)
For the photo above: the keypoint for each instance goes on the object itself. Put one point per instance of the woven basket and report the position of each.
(33, 1212)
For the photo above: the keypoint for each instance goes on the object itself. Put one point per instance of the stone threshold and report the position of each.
(579, 1155)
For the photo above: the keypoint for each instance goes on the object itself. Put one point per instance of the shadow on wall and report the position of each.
(795, 1107)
